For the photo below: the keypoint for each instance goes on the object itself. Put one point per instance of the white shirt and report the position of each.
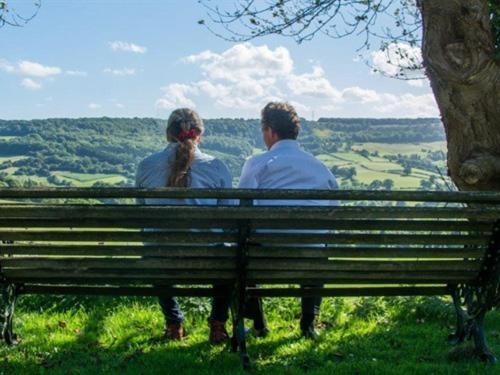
(287, 166)
(206, 172)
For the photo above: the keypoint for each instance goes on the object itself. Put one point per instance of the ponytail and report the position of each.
(184, 157)
(184, 126)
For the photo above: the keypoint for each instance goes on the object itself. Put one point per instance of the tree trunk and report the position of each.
(458, 53)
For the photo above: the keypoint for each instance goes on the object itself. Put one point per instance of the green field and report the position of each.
(373, 168)
(7, 137)
(88, 179)
(401, 148)
(11, 158)
(368, 168)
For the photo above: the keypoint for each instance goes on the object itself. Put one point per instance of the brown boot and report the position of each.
(174, 331)
(218, 333)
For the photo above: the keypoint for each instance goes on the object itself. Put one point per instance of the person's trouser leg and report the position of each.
(310, 308)
(171, 310)
(255, 311)
(220, 304)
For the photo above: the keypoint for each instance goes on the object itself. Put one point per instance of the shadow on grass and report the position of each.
(379, 336)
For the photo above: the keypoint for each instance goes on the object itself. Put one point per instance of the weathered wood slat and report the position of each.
(359, 266)
(349, 292)
(117, 291)
(117, 223)
(126, 264)
(123, 281)
(105, 250)
(108, 275)
(366, 252)
(363, 238)
(254, 251)
(120, 236)
(397, 225)
(250, 213)
(329, 277)
(357, 195)
(429, 225)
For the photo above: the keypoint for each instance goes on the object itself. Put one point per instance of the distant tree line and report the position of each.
(116, 145)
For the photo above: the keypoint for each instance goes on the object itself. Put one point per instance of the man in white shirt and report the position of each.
(286, 166)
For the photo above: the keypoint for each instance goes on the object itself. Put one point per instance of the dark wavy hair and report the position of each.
(183, 126)
(282, 119)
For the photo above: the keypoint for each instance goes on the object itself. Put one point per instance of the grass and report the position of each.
(63, 335)
(88, 179)
(11, 158)
(376, 168)
(401, 148)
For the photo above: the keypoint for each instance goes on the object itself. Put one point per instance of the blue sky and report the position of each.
(124, 58)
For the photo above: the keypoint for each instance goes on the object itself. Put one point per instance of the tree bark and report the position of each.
(458, 54)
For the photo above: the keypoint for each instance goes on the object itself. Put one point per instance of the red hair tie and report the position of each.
(183, 135)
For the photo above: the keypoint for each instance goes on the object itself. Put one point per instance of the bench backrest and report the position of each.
(445, 241)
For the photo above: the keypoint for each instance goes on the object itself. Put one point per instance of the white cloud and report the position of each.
(313, 84)
(119, 105)
(6, 66)
(127, 47)
(120, 72)
(175, 95)
(357, 94)
(31, 84)
(35, 69)
(408, 105)
(244, 61)
(94, 106)
(77, 73)
(398, 59)
(245, 77)
(416, 82)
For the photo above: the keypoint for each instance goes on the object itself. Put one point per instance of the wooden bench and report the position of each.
(447, 246)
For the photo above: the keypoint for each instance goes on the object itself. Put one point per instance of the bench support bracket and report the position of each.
(8, 299)
(473, 301)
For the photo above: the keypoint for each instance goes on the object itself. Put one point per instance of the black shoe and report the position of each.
(309, 333)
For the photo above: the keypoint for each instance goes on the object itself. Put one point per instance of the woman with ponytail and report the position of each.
(182, 164)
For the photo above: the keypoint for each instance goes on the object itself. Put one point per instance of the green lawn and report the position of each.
(99, 335)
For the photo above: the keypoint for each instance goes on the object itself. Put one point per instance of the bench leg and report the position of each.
(7, 305)
(240, 328)
(238, 339)
(477, 333)
(470, 326)
(460, 333)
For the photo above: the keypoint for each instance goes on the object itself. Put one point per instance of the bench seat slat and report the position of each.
(399, 225)
(366, 252)
(430, 225)
(114, 236)
(124, 263)
(117, 290)
(105, 275)
(399, 239)
(106, 250)
(350, 195)
(359, 265)
(244, 213)
(349, 292)
(117, 223)
(339, 277)
(254, 251)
